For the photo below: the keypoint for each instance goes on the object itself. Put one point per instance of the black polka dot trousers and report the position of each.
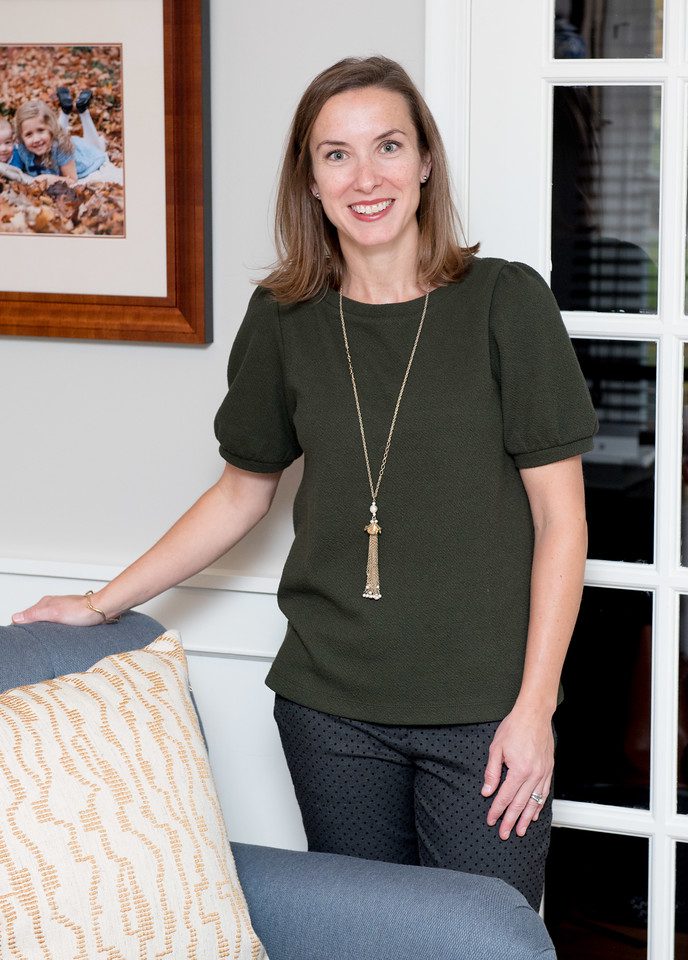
(406, 794)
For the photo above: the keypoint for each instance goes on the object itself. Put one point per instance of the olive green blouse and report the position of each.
(495, 387)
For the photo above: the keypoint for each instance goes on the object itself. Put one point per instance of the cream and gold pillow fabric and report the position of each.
(112, 841)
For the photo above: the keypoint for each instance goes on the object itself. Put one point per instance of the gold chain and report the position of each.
(373, 528)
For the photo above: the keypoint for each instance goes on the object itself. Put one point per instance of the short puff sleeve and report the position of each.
(546, 407)
(253, 425)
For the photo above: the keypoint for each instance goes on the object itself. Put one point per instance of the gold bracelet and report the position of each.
(96, 610)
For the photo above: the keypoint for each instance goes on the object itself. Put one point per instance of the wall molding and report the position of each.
(241, 622)
(103, 573)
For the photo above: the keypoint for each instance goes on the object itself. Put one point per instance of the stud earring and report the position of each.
(424, 178)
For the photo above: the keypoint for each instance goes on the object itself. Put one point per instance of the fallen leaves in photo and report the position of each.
(88, 209)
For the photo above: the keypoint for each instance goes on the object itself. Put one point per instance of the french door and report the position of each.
(566, 126)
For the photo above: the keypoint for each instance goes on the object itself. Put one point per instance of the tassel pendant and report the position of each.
(372, 588)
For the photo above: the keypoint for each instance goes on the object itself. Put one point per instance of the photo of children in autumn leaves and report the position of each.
(61, 144)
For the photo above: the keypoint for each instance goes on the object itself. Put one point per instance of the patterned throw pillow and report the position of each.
(112, 841)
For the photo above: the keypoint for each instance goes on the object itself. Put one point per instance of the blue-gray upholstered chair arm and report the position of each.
(323, 906)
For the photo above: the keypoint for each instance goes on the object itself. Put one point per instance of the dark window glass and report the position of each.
(682, 756)
(681, 933)
(603, 724)
(596, 887)
(605, 197)
(619, 471)
(607, 28)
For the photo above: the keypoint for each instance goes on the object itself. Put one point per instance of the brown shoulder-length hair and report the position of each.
(309, 257)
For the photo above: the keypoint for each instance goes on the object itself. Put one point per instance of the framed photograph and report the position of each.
(105, 224)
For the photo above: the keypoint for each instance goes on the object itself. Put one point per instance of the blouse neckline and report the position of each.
(384, 311)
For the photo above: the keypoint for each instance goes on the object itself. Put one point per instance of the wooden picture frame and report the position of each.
(184, 314)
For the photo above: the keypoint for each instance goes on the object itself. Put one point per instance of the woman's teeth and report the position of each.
(368, 210)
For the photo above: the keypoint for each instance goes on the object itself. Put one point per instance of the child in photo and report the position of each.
(7, 146)
(46, 149)
(9, 155)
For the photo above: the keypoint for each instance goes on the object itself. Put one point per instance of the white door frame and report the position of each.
(448, 50)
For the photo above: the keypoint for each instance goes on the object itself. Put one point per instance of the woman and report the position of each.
(420, 670)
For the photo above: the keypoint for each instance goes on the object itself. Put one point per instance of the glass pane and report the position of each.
(608, 28)
(603, 723)
(682, 757)
(596, 895)
(619, 471)
(605, 197)
(681, 933)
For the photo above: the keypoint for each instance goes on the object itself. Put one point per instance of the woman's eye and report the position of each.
(390, 146)
(336, 154)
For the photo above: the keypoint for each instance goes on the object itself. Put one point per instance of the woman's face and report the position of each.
(367, 168)
(36, 135)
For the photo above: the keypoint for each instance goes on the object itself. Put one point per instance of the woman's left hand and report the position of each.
(525, 743)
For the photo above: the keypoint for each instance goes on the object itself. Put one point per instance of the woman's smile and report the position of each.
(375, 210)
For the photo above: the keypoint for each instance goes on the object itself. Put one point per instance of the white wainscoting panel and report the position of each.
(246, 755)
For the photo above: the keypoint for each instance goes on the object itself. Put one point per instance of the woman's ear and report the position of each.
(314, 191)
(426, 168)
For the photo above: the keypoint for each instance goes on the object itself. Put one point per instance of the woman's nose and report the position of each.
(367, 176)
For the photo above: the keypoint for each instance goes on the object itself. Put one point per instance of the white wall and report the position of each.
(104, 445)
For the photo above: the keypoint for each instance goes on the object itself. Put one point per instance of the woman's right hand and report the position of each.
(71, 609)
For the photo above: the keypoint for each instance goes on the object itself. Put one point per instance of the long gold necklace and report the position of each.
(372, 588)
